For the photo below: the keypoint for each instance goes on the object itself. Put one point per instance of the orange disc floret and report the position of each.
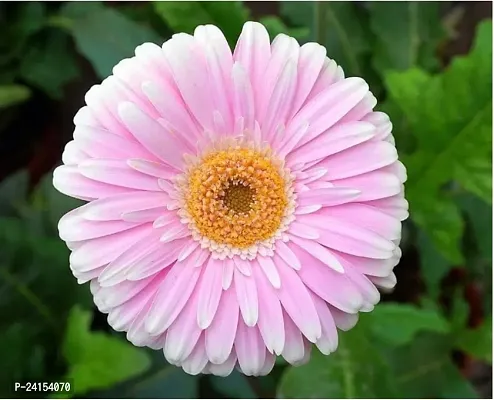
(236, 197)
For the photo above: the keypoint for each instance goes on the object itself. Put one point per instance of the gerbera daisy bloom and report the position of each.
(240, 206)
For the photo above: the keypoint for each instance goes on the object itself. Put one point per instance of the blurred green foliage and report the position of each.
(442, 120)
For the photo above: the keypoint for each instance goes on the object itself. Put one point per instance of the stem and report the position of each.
(253, 382)
(30, 296)
(319, 21)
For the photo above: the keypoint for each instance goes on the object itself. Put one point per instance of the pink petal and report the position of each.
(373, 185)
(303, 231)
(151, 168)
(318, 251)
(209, 292)
(335, 288)
(220, 335)
(270, 271)
(287, 255)
(297, 302)
(243, 96)
(330, 74)
(343, 320)
(270, 321)
(183, 333)
(152, 135)
(227, 276)
(224, 369)
(328, 197)
(72, 154)
(250, 349)
(360, 159)
(171, 297)
(245, 287)
(328, 342)
(68, 180)
(197, 360)
(294, 349)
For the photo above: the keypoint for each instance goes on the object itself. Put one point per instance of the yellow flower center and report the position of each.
(236, 197)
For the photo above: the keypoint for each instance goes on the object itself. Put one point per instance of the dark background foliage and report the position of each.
(430, 66)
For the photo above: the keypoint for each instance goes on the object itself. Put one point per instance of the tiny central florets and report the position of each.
(236, 197)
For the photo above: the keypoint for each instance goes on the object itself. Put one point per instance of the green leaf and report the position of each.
(424, 369)
(355, 370)
(340, 26)
(407, 34)
(97, 360)
(103, 35)
(477, 342)
(13, 191)
(11, 95)
(275, 26)
(185, 16)
(398, 324)
(433, 265)
(168, 383)
(49, 64)
(480, 215)
(450, 116)
(233, 386)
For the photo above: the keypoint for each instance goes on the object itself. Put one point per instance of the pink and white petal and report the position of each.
(151, 135)
(100, 143)
(95, 253)
(227, 275)
(327, 108)
(318, 251)
(344, 321)
(283, 50)
(116, 271)
(68, 180)
(172, 295)
(195, 363)
(245, 287)
(310, 64)
(85, 117)
(335, 288)
(328, 197)
(190, 72)
(118, 173)
(183, 333)
(386, 284)
(210, 290)
(109, 297)
(287, 255)
(72, 154)
(395, 206)
(333, 141)
(151, 168)
(250, 349)
(243, 97)
(382, 122)
(269, 363)
(372, 185)
(302, 230)
(253, 52)
(297, 302)
(294, 349)
(368, 266)
(163, 257)
(367, 288)
(363, 108)
(366, 216)
(365, 157)
(220, 335)
(224, 369)
(76, 228)
(328, 342)
(329, 74)
(347, 237)
(270, 271)
(270, 321)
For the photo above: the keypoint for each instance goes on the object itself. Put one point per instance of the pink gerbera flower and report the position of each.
(239, 206)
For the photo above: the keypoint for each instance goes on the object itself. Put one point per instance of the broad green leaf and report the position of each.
(300, 14)
(97, 360)
(477, 342)
(49, 64)
(355, 370)
(185, 16)
(450, 115)
(424, 369)
(103, 35)
(398, 324)
(11, 95)
(479, 215)
(433, 265)
(407, 34)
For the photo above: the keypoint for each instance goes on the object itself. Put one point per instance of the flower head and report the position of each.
(240, 206)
